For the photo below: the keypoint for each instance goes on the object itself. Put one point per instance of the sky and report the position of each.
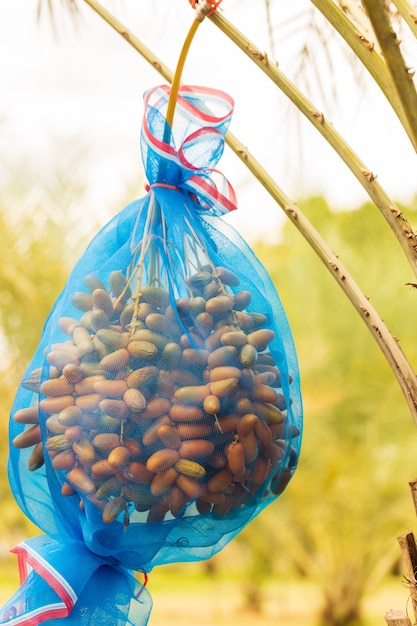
(79, 83)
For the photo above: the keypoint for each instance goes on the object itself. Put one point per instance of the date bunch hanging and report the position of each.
(162, 410)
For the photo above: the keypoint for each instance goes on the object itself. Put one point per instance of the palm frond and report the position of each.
(48, 6)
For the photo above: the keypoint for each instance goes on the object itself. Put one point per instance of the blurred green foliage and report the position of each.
(41, 238)
(338, 520)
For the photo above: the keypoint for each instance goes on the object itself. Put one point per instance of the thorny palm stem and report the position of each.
(408, 14)
(389, 346)
(395, 218)
(359, 19)
(400, 73)
(365, 50)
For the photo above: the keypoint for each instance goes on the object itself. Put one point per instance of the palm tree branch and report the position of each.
(401, 78)
(408, 14)
(366, 52)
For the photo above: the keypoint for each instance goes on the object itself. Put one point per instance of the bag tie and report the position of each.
(201, 121)
(68, 581)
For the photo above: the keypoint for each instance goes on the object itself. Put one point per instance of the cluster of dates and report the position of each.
(150, 405)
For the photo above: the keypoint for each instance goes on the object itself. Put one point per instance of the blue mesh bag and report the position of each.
(162, 410)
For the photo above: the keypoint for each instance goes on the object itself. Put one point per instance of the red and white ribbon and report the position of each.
(202, 117)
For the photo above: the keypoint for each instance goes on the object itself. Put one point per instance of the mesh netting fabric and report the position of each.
(162, 409)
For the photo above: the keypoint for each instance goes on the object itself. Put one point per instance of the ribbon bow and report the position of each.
(68, 581)
(202, 117)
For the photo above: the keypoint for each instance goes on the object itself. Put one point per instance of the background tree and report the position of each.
(42, 233)
(347, 502)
